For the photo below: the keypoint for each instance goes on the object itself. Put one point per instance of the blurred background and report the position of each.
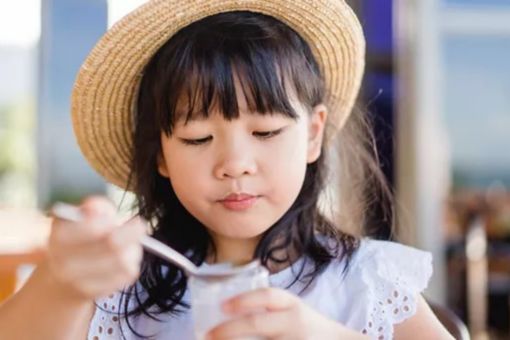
(437, 86)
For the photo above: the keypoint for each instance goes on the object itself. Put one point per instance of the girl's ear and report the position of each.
(162, 169)
(316, 132)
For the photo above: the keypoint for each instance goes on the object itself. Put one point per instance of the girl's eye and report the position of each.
(261, 135)
(267, 134)
(196, 141)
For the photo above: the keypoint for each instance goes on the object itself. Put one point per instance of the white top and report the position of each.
(378, 290)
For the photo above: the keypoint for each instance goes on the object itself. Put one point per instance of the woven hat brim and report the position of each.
(105, 92)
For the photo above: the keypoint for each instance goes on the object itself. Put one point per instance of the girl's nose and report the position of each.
(235, 163)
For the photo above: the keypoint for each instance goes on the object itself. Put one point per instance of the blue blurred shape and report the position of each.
(477, 106)
(70, 28)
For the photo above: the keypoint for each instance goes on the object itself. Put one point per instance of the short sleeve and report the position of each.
(105, 323)
(389, 278)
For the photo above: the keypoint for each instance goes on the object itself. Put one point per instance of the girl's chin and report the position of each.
(244, 235)
(237, 233)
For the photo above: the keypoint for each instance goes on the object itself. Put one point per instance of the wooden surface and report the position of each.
(8, 283)
(23, 237)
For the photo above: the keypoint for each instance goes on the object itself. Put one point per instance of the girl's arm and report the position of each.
(423, 325)
(84, 261)
(41, 310)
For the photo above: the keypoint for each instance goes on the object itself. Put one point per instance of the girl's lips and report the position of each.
(238, 197)
(239, 202)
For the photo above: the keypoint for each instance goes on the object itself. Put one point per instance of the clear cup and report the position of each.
(208, 292)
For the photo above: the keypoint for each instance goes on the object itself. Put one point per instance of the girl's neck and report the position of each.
(241, 251)
(235, 251)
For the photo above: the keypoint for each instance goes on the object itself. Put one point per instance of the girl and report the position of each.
(217, 115)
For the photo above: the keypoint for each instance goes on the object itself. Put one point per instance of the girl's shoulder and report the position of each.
(390, 267)
(383, 281)
(389, 259)
(377, 261)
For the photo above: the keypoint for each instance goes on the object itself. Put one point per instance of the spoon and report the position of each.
(71, 213)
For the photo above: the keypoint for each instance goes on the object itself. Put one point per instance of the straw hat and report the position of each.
(105, 92)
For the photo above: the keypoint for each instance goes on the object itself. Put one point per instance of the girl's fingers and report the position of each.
(127, 262)
(130, 232)
(111, 239)
(114, 249)
(96, 255)
(90, 275)
(268, 325)
(96, 207)
(97, 219)
(269, 299)
(71, 233)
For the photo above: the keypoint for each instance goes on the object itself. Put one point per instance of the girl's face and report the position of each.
(239, 177)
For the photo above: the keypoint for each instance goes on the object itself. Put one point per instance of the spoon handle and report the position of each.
(160, 249)
(71, 213)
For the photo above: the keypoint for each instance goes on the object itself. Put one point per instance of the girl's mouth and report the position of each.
(239, 202)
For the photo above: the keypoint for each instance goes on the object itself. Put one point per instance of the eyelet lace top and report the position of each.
(392, 278)
(378, 289)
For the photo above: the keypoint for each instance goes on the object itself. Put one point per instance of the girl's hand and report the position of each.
(96, 257)
(276, 314)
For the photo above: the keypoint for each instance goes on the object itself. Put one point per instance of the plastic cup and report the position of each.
(209, 292)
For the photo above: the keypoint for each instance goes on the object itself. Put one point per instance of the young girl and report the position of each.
(218, 115)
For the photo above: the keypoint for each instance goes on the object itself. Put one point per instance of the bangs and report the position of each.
(196, 71)
(211, 87)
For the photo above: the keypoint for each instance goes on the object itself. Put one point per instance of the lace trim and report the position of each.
(393, 305)
(394, 283)
(105, 325)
